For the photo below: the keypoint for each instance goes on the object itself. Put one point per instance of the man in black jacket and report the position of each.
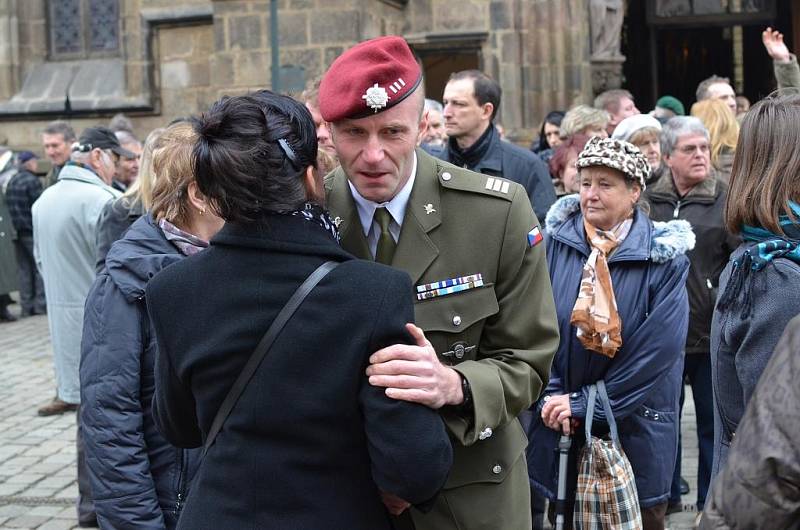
(690, 190)
(22, 191)
(471, 100)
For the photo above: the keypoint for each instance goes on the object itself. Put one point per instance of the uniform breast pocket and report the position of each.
(454, 323)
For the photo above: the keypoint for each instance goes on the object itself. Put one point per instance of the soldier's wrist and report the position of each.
(462, 394)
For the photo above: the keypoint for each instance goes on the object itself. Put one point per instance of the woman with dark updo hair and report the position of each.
(309, 443)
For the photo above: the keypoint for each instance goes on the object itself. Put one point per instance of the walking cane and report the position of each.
(564, 443)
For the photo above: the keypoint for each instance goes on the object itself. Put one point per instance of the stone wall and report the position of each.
(557, 74)
(181, 61)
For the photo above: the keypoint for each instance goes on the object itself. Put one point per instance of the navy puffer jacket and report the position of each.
(138, 479)
(648, 273)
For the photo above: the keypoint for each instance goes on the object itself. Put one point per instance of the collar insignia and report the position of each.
(429, 209)
(337, 221)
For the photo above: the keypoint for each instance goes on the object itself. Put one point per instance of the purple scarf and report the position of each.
(186, 243)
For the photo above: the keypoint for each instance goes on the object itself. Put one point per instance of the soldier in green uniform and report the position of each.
(483, 300)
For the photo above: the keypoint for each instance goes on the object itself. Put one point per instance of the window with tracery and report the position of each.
(82, 29)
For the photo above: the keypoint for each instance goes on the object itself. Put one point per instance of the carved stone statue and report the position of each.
(605, 24)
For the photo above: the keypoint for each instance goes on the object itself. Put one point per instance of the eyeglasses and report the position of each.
(690, 149)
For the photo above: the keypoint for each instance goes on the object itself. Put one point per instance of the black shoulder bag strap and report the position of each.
(263, 348)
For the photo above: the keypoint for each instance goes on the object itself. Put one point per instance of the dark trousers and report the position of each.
(697, 368)
(85, 504)
(31, 287)
(538, 504)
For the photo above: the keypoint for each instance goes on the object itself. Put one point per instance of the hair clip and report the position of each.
(287, 149)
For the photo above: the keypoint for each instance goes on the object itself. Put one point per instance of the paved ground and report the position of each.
(37, 455)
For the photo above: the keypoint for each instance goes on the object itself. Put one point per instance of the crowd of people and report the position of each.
(341, 310)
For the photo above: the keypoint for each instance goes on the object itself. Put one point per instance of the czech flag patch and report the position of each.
(534, 237)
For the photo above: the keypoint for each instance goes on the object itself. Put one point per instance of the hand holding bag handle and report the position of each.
(595, 390)
(605, 496)
(261, 350)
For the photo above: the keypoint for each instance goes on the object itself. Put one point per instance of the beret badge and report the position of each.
(376, 97)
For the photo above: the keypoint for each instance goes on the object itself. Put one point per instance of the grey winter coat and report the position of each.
(759, 487)
(64, 237)
(741, 347)
(787, 74)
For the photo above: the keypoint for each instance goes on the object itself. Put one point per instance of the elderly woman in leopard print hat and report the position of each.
(618, 281)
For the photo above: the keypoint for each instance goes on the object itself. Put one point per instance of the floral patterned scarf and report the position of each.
(316, 214)
(595, 311)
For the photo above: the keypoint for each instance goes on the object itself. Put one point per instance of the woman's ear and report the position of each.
(314, 186)
(636, 192)
(196, 198)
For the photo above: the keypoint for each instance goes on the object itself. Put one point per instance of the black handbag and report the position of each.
(263, 348)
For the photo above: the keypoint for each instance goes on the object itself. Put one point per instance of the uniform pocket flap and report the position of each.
(454, 312)
(488, 460)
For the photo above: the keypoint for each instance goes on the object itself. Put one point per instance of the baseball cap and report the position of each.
(24, 156)
(101, 138)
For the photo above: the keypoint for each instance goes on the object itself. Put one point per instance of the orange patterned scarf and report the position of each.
(595, 312)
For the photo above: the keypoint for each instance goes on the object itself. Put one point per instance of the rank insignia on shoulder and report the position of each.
(534, 237)
(497, 184)
(450, 286)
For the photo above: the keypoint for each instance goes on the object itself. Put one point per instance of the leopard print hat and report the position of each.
(616, 154)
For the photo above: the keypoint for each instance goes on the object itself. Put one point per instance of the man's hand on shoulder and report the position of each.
(414, 373)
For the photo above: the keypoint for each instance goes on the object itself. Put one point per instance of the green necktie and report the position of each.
(386, 244)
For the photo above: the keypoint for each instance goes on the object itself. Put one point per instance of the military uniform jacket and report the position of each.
(500, 336)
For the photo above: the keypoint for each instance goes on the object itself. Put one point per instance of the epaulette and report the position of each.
(457, 178)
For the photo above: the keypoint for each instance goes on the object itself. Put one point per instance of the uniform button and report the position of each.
(655, 416)
(446, 176)
(497, 469)
(456, 320)
(486, 433)
(2, 234)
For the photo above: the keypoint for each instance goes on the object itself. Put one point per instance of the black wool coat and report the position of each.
(310, 443)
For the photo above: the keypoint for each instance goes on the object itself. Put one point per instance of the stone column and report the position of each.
(509, 34)
(9, 49)
(557, 69)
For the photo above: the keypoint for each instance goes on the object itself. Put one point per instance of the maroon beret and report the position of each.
(368, 78)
